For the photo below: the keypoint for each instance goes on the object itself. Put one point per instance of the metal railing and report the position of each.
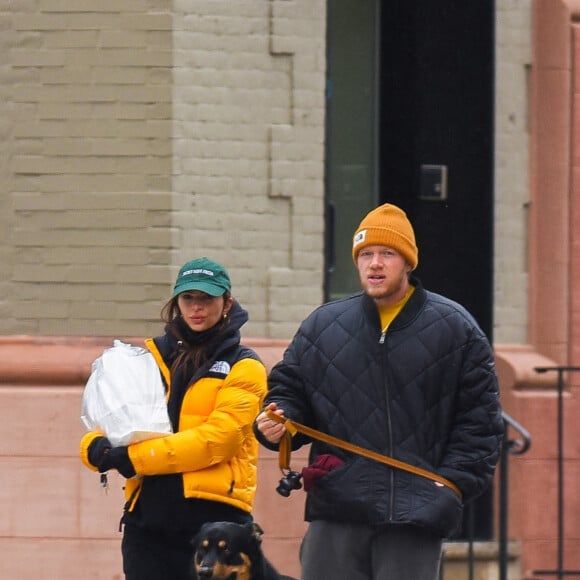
(512, 446)
(560, 570)
(516, 445)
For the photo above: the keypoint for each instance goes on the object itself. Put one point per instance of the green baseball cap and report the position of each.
(204, 275)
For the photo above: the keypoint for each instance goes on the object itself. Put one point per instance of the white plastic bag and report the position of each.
(124, 397)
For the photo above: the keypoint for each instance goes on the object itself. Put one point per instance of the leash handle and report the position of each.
(285, 451)
(293, 427)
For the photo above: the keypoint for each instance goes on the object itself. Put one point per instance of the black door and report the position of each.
(417, 79)
(436, 138)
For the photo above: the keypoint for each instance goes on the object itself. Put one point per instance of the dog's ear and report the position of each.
(257, 532)
(196, 539)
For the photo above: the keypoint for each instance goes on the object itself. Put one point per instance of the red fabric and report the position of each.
(322, 465)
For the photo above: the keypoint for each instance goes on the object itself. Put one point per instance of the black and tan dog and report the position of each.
(228, 551)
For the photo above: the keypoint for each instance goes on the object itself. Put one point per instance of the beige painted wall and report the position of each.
(141, 134)
(88, 193)
(512, 188)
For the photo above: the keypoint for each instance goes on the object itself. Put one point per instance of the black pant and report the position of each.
(154, 556)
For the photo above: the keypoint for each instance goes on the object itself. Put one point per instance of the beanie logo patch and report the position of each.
(359, 238)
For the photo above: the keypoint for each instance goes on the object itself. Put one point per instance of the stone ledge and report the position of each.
(515, 366)
(486, 560)
(66, 360)
(482, 551)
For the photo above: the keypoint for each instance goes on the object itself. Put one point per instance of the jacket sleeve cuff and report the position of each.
(86, 440)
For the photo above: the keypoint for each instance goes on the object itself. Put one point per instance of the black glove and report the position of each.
(98, 449)
(105, 457)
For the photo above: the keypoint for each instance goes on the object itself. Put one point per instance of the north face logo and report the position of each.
(221, 367)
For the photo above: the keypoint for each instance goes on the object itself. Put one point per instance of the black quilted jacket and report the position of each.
(425, 393)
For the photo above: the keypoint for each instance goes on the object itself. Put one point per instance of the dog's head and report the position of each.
(226, 551)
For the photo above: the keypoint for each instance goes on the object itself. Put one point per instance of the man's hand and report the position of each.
(271, 430)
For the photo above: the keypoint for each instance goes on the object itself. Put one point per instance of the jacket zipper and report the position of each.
(390, 434)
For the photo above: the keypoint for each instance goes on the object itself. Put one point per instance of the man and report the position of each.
(402, 372)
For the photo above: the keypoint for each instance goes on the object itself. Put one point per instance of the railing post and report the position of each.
(515, 447)
(503, 513)
(560, 571)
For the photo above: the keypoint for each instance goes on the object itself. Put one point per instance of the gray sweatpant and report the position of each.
(333, 551)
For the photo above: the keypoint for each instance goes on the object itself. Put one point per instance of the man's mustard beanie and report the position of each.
(387, 225)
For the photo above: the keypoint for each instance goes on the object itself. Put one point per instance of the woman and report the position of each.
(205, 470)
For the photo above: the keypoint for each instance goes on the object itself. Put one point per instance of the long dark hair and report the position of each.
(194, 348)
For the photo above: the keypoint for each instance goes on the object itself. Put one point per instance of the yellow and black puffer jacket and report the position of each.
(213, 446)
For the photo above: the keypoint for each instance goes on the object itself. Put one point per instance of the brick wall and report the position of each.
(142, 134)
(90, 166)
(249, 149)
